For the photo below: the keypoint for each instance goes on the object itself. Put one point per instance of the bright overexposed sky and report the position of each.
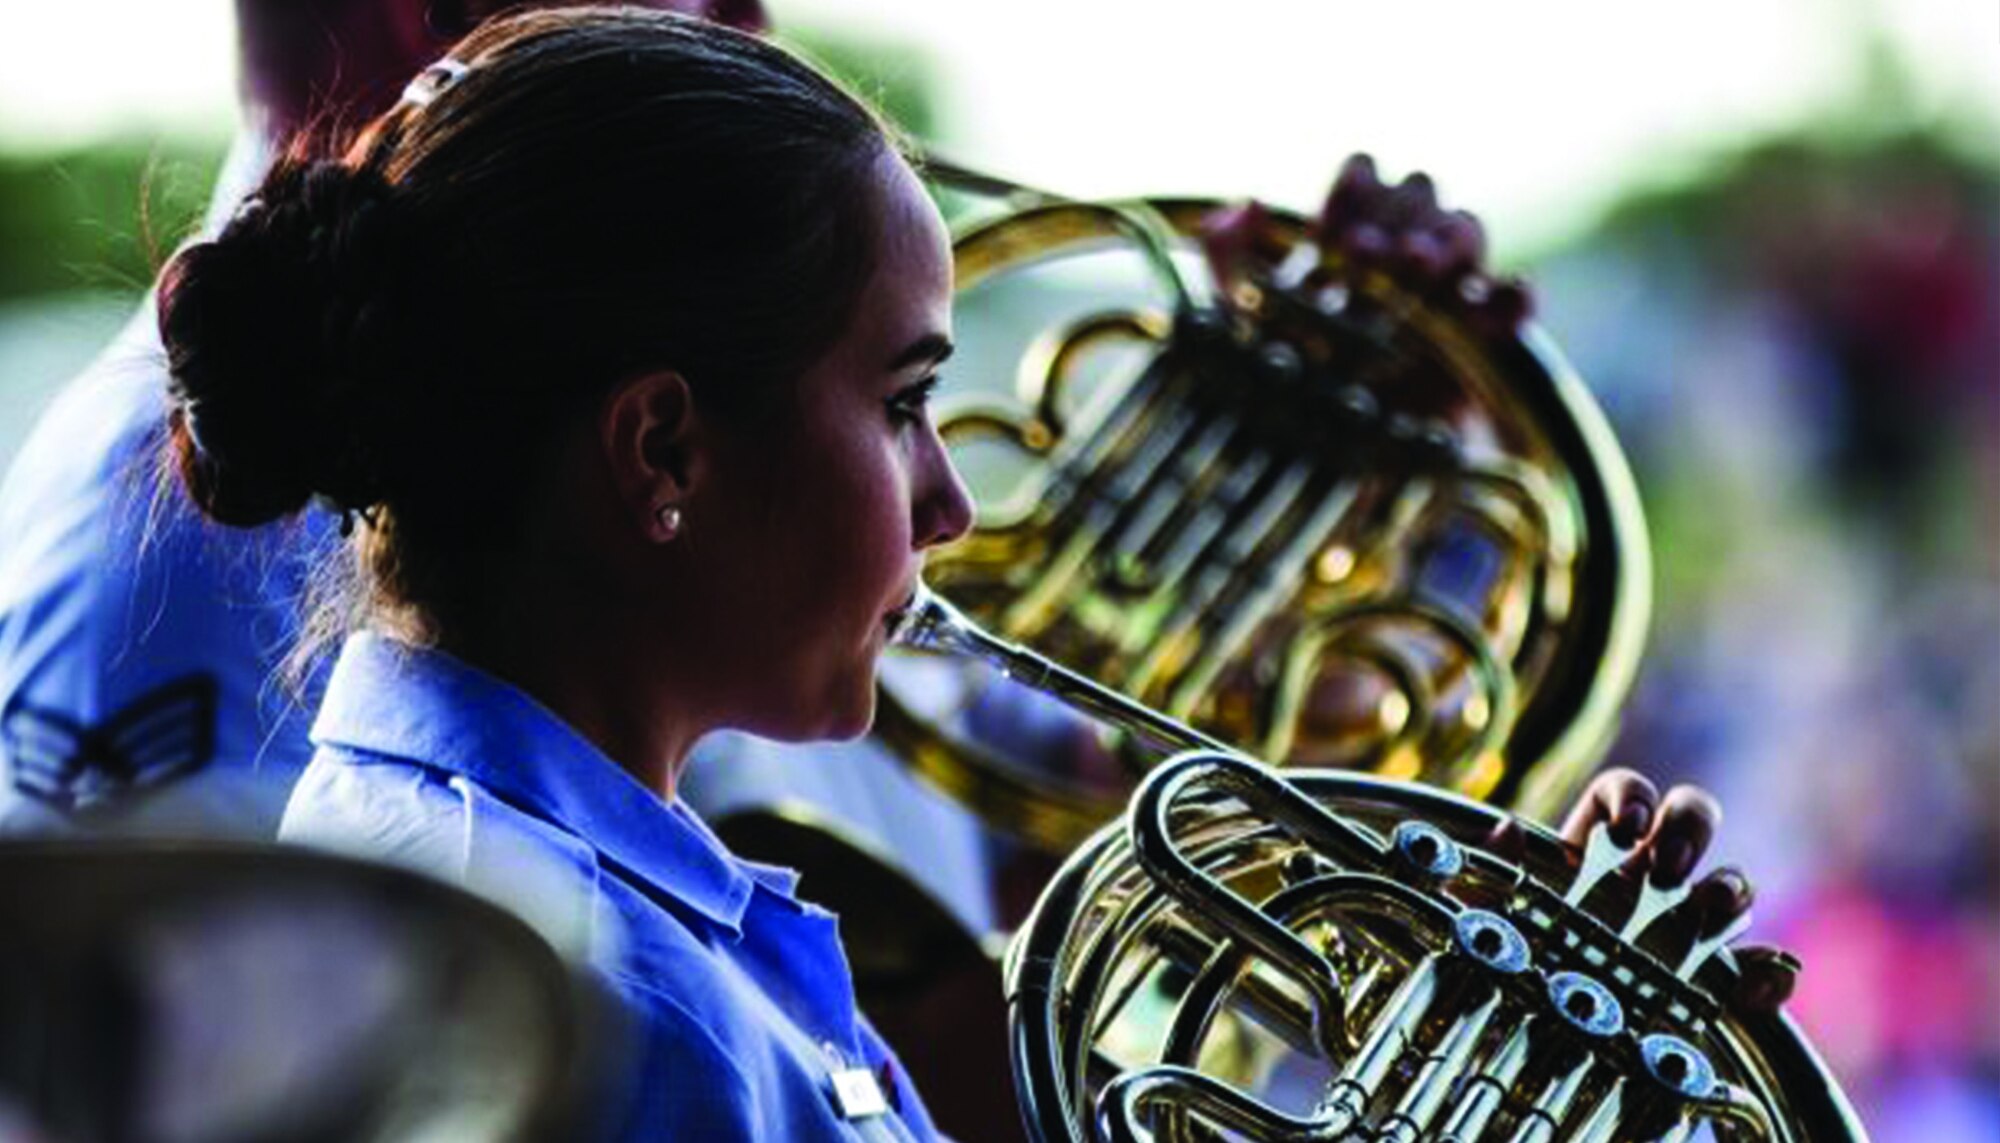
(1531, 111)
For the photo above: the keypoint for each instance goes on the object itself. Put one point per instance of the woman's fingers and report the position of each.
(1230, 235)
(1353, 195)
(1768, 977)
(1677, 828)
(1507, 840)
(1403, 228)
(743, 15)
(1463, 240)
(1624, 798)
(1673, 831)
(1401, 224)
(1769, 974)
(1412, 204)
(1719, 898)
(1684, 827)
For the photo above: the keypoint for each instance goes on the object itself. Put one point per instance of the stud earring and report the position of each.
(667, 521)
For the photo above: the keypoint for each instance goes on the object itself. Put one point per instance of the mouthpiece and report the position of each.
(930, 624)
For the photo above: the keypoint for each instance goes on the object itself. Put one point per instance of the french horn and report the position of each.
(1325, 521)
(1298, 954)
(1323, 518)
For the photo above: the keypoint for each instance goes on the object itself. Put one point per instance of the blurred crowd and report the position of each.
(1801, 354)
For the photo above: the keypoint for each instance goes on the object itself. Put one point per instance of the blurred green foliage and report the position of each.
(105, 217)
(895, 77)
(1868, 258)
(98, 218)
(1730, 207)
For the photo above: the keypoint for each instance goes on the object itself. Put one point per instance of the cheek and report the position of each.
(852, 556)
(844, 527)
(865, 522)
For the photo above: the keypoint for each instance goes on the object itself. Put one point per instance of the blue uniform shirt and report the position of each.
(741, 992)
(138, 641)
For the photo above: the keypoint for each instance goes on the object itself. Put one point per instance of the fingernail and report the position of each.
(1510, 304)
(1726, 893)
(1507, 840)
(1738, 887)
(1671, 861)
(1767, 985)
(1229, 236)
(1631, 823)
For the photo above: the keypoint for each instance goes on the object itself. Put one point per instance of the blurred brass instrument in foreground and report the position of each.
(1324, 519)
(1253, 953)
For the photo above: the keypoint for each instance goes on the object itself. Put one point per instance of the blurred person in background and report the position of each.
(139, 645)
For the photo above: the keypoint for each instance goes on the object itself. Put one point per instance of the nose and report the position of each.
(942, 506)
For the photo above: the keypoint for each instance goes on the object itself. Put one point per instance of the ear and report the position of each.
(650, 435)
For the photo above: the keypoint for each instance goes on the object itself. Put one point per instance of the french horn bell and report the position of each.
(1322, 518)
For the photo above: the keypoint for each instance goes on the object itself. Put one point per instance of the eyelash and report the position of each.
(912, 405)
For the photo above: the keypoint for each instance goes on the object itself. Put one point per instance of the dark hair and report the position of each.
(392, 327)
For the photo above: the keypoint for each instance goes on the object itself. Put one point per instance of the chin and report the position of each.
(840, 717)
(854, 718)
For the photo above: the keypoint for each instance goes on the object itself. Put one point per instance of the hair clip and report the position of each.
(246, 208)
(434, 81)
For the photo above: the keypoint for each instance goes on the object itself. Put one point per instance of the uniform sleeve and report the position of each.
(388, 812)
(449, 828)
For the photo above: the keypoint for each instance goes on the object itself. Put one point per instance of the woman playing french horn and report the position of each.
(613, 344)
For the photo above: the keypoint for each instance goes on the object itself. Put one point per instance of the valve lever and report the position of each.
(1707, 947)
(1653, 901)
(1601, 856)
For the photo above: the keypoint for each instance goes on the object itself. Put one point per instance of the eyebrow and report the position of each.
(931, 348)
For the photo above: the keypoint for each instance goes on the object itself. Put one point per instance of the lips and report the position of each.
(892, 622)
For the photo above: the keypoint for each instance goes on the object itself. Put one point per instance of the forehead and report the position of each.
(907, 297)
(912, 278)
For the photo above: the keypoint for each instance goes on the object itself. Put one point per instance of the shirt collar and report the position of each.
(424, 706)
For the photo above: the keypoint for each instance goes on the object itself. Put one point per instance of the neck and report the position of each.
(581, 665)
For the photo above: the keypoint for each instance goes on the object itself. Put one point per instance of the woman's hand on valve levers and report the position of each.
(1669, 833)
(1398, 228)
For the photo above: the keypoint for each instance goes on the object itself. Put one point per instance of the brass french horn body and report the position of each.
(1315, 955)
(1325, 519)
(1267, 954)
(1319, 520)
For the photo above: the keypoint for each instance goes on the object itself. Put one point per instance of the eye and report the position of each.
(911, 405)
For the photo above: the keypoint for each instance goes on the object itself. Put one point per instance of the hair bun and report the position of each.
(268, 330)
